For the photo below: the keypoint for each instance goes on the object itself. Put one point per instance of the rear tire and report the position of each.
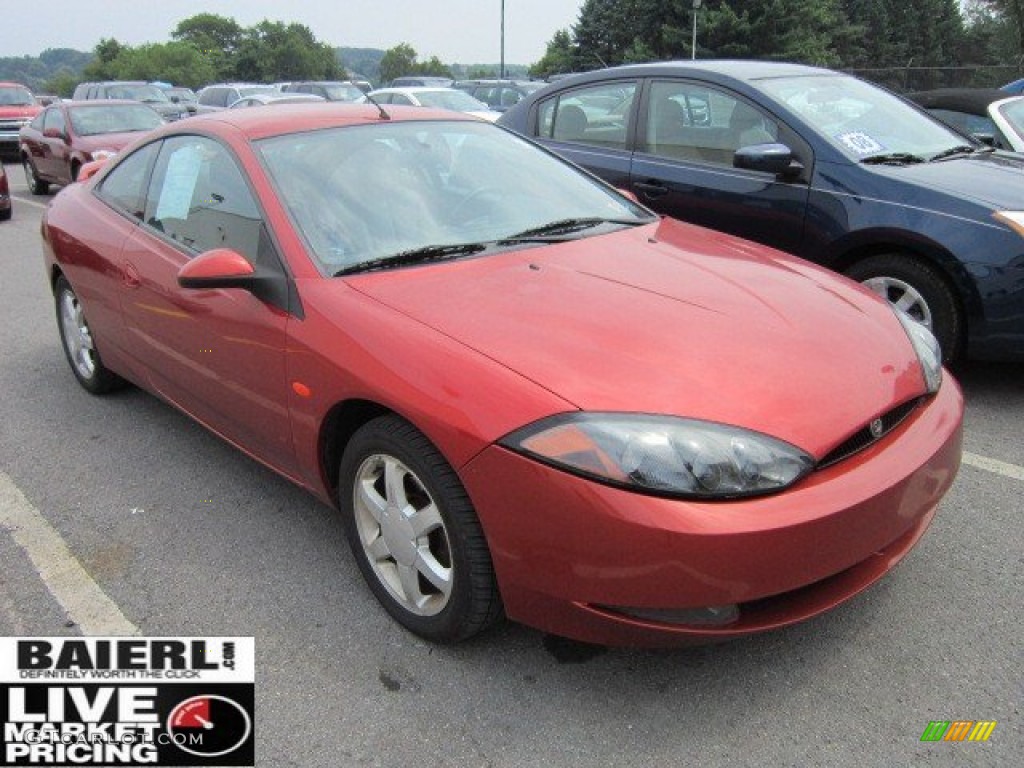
(35, 185)
(77, 341)
(921, 292)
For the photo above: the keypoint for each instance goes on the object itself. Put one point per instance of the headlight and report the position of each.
(103, 154)
(927, 348)
(663, 455)
(1013, 219)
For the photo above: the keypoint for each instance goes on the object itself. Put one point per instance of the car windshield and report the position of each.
(12, 96)
(147, 93)
(364, 193)
(459, 101)
(342, 92)
(120, 118)
(860, 119)
(1013, 113)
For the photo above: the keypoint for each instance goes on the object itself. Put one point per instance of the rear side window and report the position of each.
(124, 187)
(55, 119)
(597, 115)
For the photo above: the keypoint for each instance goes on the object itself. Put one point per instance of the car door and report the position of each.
(686, 139)
(216, 353)
(592, 126)
(55, 151)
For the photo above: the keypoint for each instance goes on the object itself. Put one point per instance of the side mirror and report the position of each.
(90, 169)
(767, 158)
(219, 268)
(175, 99)
(628, 193)
(225, 268)
(55, 133)
(988, 139)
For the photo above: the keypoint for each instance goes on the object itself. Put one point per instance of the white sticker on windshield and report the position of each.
(859, 142)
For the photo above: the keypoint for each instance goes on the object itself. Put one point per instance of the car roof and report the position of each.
(414, 89)
(95, 103)
(11, 84)
(735, 69)
(257, 123)
(969, 100)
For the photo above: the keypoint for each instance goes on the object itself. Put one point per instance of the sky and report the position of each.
(456, 31)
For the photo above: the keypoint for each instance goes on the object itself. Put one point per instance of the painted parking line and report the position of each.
(24, 201)
(69, 583)
(993, 465)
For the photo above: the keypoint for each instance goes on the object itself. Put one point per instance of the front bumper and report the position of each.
(575, 558)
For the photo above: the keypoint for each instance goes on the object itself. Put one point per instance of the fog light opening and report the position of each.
(707, 616)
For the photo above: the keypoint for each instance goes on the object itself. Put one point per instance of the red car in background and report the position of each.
(67, 135)
(525, 393)
(17, 107)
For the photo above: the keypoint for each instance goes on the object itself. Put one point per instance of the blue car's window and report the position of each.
(695, 122)
(598, 114)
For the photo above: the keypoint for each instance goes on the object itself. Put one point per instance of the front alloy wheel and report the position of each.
(415, 534)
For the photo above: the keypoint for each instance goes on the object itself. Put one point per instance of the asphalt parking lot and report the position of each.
(139, 520)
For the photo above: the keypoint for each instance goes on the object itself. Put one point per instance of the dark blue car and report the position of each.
(819, 164)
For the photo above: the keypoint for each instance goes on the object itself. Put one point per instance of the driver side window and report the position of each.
(692, 121)
(199, 199)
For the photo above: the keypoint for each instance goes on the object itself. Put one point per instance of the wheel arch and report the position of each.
(342, 421)
(863, 245)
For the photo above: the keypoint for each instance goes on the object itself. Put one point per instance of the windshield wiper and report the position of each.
(893, 158)
(555, 229)
(414, 256)
(962, 149)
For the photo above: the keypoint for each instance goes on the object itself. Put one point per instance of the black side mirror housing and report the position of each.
(767, 158)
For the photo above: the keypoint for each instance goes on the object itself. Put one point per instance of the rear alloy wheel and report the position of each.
(918, 290)
(35, 185)
(415, 534)
(78, 343)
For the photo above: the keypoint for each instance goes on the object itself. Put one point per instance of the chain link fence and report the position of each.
(911, 78)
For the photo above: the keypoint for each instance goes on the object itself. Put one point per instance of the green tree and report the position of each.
(105, 54)
(397, 61)
(272, 50)
(1012, 12)
(557, 58)
(176, 62)
(216, 37)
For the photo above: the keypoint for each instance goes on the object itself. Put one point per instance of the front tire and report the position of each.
(35, 185)
(921, 292)
(78, 343)
(415, 534)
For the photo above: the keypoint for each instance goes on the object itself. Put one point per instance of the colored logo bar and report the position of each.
(958, 730)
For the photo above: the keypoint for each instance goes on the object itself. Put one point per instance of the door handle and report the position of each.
(651, 188)
(130, 275)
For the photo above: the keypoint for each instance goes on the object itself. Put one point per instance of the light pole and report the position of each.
(693, 42)
(502, 75)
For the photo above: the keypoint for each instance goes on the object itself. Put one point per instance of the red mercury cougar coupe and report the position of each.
(525, 394)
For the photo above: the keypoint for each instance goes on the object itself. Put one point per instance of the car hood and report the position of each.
(16, 112)
(674, 319)
(995, 179)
